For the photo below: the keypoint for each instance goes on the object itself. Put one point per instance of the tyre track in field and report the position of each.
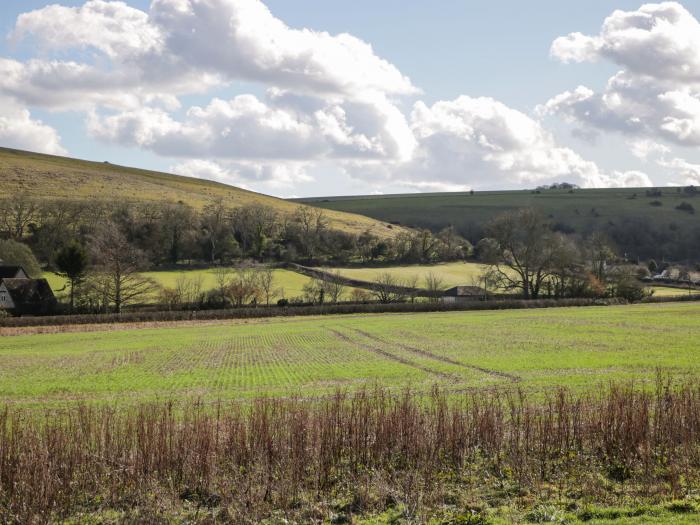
(425, 353)
(392, 357)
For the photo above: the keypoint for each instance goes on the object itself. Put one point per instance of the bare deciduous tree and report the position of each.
(526, 251)
(435, 285)
(119, 263)
(387, 288)
(17, 213)
(266, 281)
(313, 224)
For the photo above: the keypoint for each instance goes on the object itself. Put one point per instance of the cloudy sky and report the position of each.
(312, 97)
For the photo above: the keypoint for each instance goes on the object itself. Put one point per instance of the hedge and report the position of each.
(286, 311)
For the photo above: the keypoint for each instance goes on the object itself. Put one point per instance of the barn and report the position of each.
(460, 294)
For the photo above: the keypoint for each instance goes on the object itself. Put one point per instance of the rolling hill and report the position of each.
(52, 177)
(642, 222)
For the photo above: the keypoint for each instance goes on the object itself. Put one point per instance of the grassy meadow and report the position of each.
(287, 283)
(452, 274)
(584, 208)
(532, 349)
(53, 177)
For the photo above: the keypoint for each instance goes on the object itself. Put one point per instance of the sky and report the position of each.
(311, 98)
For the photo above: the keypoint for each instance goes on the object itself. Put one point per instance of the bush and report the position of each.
(686, 207)
(13, 253)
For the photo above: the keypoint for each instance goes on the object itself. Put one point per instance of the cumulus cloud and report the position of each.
(329, 99)
(19, 130)
(247, 128)
(657, 91)
(481, 142)
(242, 174)
(186, 46)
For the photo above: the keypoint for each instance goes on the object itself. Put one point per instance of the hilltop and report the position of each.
(53, 177)
(643, 222)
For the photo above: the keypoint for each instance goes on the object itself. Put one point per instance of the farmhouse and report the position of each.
(459, 294)
(21, 295)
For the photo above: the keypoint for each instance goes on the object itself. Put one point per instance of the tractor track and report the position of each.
(418, 351)
(393, 357)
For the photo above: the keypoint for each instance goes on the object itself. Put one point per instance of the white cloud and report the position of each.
(19, 130)
(657, 92)
(480, 142)
(643, 149)
(330, 99)
(242, 174)
(185, 46)
(246, 128)
(119, 31)
(689, 171)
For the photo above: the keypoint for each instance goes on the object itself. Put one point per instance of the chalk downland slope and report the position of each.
(52, 177)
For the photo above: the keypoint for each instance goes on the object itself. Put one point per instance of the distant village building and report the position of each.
(460, 294)
(20, 295)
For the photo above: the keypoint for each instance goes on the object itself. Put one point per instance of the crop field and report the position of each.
(532, 349)
(289, 284)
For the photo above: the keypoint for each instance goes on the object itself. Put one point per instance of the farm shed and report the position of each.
(459, 294)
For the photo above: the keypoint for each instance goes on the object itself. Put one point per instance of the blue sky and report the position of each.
(484, 77)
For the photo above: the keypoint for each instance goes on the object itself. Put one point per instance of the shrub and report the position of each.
(280, 455)
(686, 207)
(15, 253)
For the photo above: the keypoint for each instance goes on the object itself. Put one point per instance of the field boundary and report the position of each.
(264, 312)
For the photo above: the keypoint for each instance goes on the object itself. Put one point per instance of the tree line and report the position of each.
(173, 233)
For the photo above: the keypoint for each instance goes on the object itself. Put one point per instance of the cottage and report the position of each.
(12, 272)
(21, 295)
(460, 294)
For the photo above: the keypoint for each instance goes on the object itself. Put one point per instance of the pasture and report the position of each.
(581, 348)
(583, 209)
(452, 274)
(287, 283)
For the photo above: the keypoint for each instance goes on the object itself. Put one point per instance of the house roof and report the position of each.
(10, 272)
(464, 291)
(29, 291)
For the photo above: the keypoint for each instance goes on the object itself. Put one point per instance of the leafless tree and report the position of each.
(119, 263)
(17, 213)
(223, 276)
(333, 287)
(526, 251)
(435, 285)
(387, 288)
(313, 223)
(266, 281)
(244, 287)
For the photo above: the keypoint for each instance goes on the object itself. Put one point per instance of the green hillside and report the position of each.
(641, 224)
(50, 177)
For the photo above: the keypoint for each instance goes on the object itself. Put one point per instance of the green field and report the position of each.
(584, 209)
(452, 274)
(668, 291)
(52, 177)
(532, 349)
(289, 284)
